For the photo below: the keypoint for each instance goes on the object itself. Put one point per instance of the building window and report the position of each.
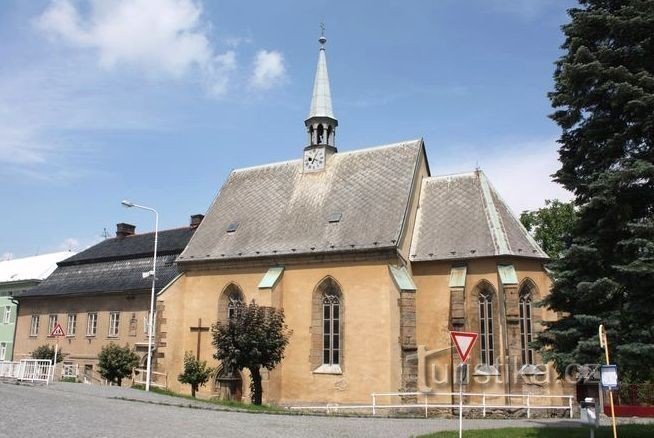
(91, 324)
(3, 351)
(7, 315)
(525, 325)
(331, 334)
(52, 321)
(34, 327)
(235, 300)
(71, 327)
(114, 321)
(486, 327)
(230, 298)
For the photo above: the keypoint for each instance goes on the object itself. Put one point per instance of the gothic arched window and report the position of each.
(321, 133)
(331, 332)
(526, 328)
(486, 327)
(230, 298)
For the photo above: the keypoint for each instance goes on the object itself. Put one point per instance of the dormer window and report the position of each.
(231, 228)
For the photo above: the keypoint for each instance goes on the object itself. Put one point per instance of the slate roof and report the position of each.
(279, 210)
(462, 216)
(116, 265)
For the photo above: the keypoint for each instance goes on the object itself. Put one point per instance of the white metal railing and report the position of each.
(32, 370)
(70, 370)
(159, 380)
(484, 401)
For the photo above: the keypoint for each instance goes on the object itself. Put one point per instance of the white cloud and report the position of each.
(157, 36)
(7, 256)
(70, 244)
(520, 172)
(269, 69)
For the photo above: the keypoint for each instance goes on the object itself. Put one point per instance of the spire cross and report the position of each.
(322, 29)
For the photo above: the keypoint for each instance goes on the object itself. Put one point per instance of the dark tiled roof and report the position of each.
(169, 242)
(281, 210)
(462, 216)
(116, 265)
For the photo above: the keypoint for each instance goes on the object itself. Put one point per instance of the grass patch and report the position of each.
(214, 401)
(627, 430)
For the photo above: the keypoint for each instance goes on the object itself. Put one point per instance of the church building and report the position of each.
(373, 261)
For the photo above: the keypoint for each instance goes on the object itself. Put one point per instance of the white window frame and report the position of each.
(114, 324)
(91, 324)
(486, 328)
(331, 313)
(52, 321)
(3, 350)
(71, 325)
(7, 315)
(526, 328)
(34, 325)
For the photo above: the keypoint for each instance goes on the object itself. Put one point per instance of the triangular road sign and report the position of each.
(57, 330)
(463, 341)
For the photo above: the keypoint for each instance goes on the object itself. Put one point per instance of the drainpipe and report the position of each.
(13, 345)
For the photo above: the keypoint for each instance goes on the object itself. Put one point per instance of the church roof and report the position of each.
(358, 202)
(116, 265)
(462, 216)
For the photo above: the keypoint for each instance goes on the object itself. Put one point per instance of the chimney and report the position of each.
(124, 230)
(196, 220)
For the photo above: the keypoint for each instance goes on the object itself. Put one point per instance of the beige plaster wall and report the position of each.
(370, 329)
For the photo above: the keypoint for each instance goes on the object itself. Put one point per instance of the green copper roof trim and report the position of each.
(458, 276)
(271, 277)
(402, 278)
(507, 274)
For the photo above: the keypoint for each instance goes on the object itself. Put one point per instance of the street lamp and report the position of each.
(129, 204)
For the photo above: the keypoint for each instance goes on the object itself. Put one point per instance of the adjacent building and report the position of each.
(374, 261)
(100, 295)
(16, 276)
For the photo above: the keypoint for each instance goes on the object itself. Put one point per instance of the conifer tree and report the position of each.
(604, 104)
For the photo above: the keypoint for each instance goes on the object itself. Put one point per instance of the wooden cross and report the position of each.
(199, 329)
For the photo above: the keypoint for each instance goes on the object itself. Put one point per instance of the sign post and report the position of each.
(463, 341)
(57, 331)
(608, 375)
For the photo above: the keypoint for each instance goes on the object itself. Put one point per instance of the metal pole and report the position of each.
(151, 317)
(461, 400)
(54, 365)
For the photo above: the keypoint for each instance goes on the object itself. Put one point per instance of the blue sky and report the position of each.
(157, 100)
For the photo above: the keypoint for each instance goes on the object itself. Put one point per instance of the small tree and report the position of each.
(254, 338)
(47, 352)
(116, 362)
(196, 373)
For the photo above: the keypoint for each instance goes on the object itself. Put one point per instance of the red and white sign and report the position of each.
(57, 330)
(463, 341)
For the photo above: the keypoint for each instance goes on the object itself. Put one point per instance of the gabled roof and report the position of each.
(278, 210)
(462, 216)
(116, 265)
(31, 268)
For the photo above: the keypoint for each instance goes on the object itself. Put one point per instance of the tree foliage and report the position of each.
(47, 351)
(254, 338)
(604, 104)
(551, 226)
(196, 373)
(116, 362)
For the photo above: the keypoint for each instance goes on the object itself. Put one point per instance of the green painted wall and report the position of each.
(8, 328)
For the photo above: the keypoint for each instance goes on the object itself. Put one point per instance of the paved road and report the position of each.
(77, 410)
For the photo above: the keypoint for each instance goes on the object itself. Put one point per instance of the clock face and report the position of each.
(314, 159)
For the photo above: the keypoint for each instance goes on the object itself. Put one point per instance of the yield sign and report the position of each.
(463, 341)
(57, 330)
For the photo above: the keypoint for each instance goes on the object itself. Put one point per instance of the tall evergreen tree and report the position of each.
(604, 103)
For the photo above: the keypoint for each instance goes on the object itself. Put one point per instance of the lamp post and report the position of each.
(148, 372)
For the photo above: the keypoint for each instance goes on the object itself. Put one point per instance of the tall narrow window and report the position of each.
(34, 326)
(52, 321)
(71, 327)
(525, 325)
(3, 351)
(91, 324)
(114, 321)
(331, 332)
(486, 327)
(235, 300)
(7, 315)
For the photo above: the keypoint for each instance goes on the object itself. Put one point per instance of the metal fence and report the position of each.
(471, 400)
(159, 380)
(27, 370)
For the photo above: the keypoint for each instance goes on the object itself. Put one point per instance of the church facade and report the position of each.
(374, 261)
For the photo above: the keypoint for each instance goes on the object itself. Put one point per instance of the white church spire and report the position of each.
(321, 123)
